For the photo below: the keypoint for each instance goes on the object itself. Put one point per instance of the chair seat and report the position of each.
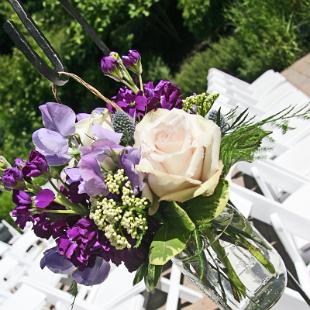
(299, 201)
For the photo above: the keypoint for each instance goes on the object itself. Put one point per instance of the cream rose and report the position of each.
(179, 154)
(85, 127)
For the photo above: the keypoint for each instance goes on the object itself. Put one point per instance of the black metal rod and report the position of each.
(22, 44)
(298, 288)
(74, 12)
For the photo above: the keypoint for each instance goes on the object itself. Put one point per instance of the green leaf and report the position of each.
(175, 215)
(168, 242)
(172, 237)
(238, 288)
(152, 276)
(73, 290)
(206, 209)
(140, 273)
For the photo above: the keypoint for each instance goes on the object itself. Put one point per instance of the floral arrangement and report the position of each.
(136, 181)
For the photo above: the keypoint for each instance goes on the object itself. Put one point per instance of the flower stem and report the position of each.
(64, 201)
(141, 83)
(92, 89)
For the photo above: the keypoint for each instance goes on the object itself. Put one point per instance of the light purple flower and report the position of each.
(56, 262)
(91, 275)
(52, 141)
(44, 198)
(12, 178)
(132, 58)
(128, 159)
(93, 183)
(58, 117)
(108, 64)
(92, 157)
(35, 166)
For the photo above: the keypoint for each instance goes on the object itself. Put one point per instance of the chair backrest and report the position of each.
(266, 83)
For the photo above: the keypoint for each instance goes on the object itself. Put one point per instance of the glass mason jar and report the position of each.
(262, 287)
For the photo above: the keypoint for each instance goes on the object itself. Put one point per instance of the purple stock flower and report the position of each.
(108, 64)
(90, 275)
(131, 59)
(82, 243)
(21, 212)
(19, 162)
(128, 159)
(169, 94)
(164, 95)
(52, 141)
(22, 215)
(35, 166)
(44, 198)
(12, 178)
(45, 227)
(21, 198)
(133, 104)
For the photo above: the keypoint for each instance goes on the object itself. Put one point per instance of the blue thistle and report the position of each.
(123, 123)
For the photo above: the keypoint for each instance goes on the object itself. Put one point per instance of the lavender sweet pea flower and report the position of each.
(108, 64)
(44, 198)
(52, 141)
(129, 158)
(93, 183)
(12, 178)
(52, 145)
(58, 117)
(56, 262)
(99, 152)
(92, 275)
(35, 166)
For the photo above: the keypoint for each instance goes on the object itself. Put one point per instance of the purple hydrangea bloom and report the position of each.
(108, 64)
(132, 58)
(52, 141)
(12, 178)
(36, 165)
(44, 198)
(82, 243)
